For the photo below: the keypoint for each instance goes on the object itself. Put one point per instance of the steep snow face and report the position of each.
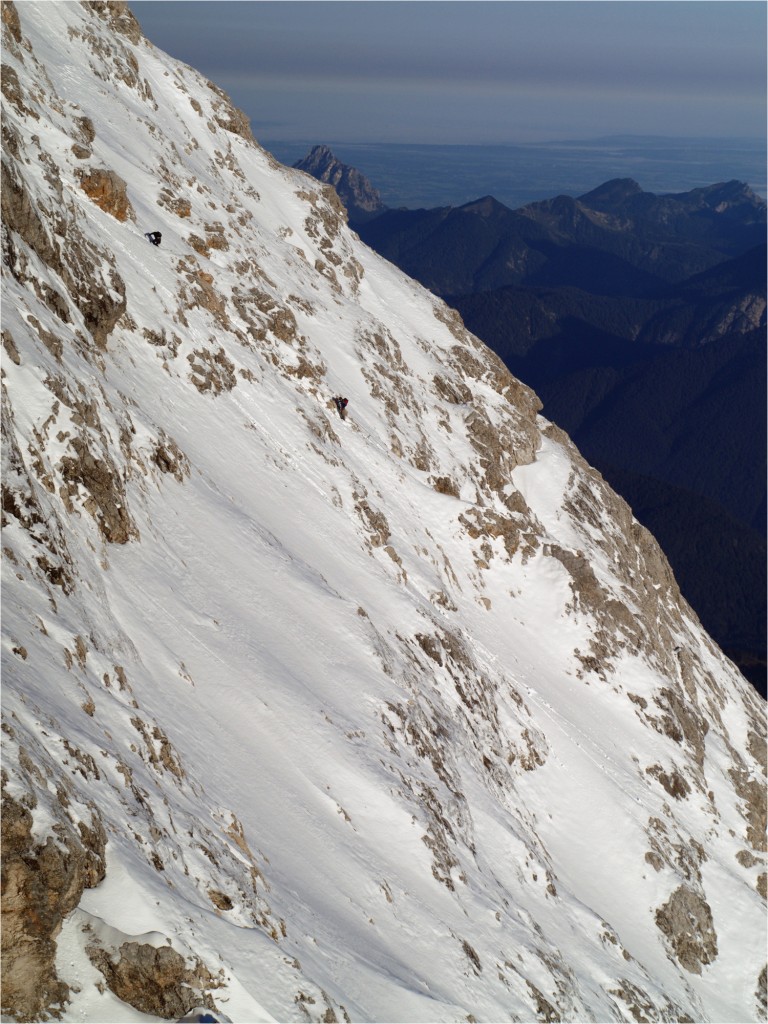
(397, 718)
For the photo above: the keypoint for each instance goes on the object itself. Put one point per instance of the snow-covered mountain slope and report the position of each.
(396, 718)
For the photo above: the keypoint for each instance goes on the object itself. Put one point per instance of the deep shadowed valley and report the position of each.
(639, 319)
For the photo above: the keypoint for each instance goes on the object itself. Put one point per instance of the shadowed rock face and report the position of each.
(357, 193)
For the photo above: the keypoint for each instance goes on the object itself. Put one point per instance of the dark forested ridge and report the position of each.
(640, 321)
(615, 240)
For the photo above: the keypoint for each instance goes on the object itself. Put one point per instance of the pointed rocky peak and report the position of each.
(361, 199)
(485, 207)
(611, 193)
(319, 161)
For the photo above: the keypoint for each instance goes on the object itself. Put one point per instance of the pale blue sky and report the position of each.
(476, 72)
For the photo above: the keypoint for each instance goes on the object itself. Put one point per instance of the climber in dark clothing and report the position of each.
(154, 237)
(341, 405)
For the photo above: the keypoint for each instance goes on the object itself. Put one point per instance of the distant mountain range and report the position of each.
(428, 175)
(640, 321)
(615, 240)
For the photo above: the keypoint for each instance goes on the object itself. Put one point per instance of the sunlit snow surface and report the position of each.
(385, 852)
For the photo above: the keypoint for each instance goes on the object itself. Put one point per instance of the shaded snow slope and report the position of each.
(398, 718)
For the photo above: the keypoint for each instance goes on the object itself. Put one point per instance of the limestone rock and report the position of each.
(108, 190)
(156, 981)
(41, 884)
(686, 920)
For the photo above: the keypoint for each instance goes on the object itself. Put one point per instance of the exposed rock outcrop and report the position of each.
(81, 268)
(108, 190)
(686, 921)
(155, 980)
(42, 881)
(106, 499)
